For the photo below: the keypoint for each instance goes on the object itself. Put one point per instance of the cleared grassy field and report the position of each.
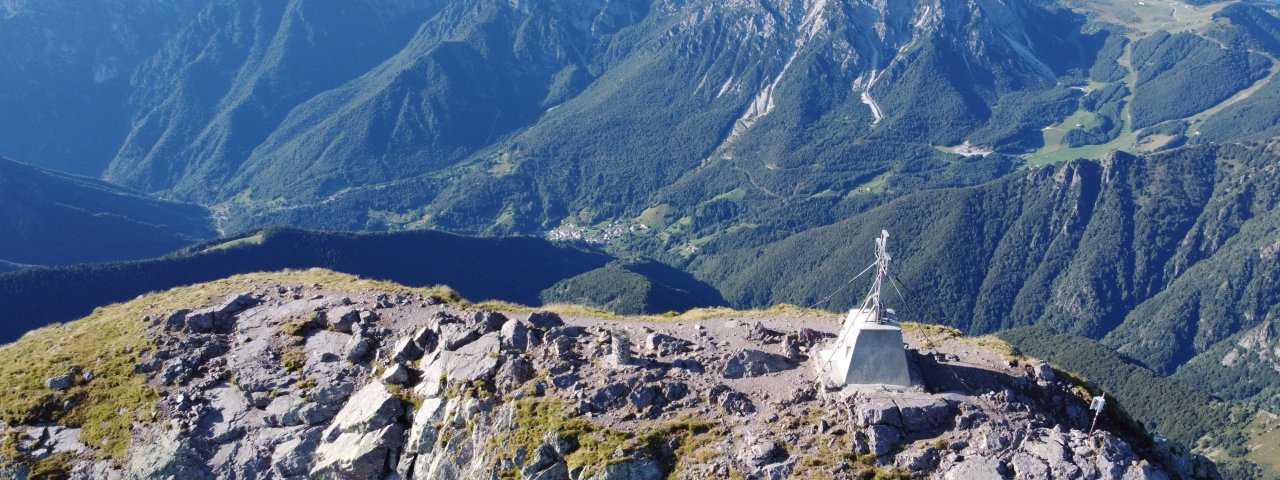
(1264, 443)
(1140, 17)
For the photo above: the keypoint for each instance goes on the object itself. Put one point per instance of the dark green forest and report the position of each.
(514, 269)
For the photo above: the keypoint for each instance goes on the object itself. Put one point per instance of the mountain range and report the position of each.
(1086, 172)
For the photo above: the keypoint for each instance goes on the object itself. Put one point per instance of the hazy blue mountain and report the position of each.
(51, 218)
(500, 117)
(66, 71)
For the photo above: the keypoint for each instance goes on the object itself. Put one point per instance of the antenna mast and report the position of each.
(882, 271)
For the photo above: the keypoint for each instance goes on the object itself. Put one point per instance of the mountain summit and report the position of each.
(320, 375)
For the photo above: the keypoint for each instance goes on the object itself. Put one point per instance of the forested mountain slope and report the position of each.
(1165, 257)
(530, 269)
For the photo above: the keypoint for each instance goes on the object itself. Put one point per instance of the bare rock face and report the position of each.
(365, 437)
(469, 362)
(167, 456)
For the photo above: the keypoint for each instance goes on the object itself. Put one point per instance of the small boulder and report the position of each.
(882, 438)
(761, 334)
(674, 391)
(645, 396)
(515, 335)
(406, 350)
(426, 339)
(634, 469)
(754, 363)
(341, 318)
(545, 320)
(396, 375)
(923, 414)
(610, 396)
(763, 451)
(357, 349)
(1043, 371)
(486, 321)
(919, 459)
(59, 383)
(878, 411)
(514, 373)
(731, 401)
(665, 345)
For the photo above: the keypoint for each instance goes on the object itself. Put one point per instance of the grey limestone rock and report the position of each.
(924, 413)
(406, 350)
(763, 451)
(357, 349)
(455, 335)
(975, 468)
(1043, 371)
(60, 382)
(284, 411)
(918, 459)
(313, 413)
(666, 345)
(369, 409)
(341, 318)
(636, 469)
(730, 400)
(515, 335)
(754, 363)
(882, 438)
(545, 320)
(396, 375)
(292, 458)
(426, 424)
(477, 359)
(166, 457)
(610, 396)
(876, 411)
(1029, 467)
(485, 321)
(363, 438)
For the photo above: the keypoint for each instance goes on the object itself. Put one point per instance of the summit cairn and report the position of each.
(869, 348)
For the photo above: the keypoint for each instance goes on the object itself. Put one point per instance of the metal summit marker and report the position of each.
(869, 350)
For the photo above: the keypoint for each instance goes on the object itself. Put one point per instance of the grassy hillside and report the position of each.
(515, 269)
(50, 218)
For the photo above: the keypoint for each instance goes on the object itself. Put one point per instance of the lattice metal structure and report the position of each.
(869, 348)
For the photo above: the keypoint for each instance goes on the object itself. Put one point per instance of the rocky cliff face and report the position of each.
(294, 379)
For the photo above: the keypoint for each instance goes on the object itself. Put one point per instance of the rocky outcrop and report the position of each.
(365, 437)
(302, 382)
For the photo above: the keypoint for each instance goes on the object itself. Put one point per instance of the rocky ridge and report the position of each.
(297, 380)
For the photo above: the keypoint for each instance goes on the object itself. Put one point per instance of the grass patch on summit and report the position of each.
(594, 447)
